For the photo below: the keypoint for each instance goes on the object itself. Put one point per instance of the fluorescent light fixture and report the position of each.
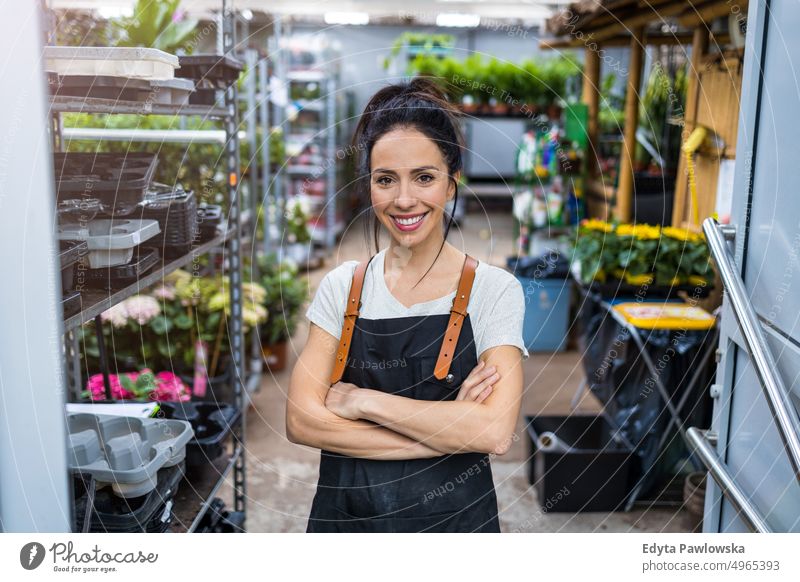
(346, 18)
(456, 19)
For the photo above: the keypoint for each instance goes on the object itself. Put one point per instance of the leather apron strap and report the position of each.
(350, 316)
(458, 312)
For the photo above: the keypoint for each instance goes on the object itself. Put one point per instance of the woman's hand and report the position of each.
(342, 399)
(479, 384)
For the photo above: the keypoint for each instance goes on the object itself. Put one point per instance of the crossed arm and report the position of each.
(367, 423)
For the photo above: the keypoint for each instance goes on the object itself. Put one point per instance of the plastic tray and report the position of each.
(78, 209)
(71, 253)
(114, 277)
(71, 303)
(149, 513)
(102, 86)
(176, 213)
(118, 181)
(125, 453)
(134, 62)
(209, 217)
(211, 422)
(221, 70)
(110, 241)
(171, 92)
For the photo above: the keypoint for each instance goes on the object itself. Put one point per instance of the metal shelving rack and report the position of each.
(327, 135)
(187, 509)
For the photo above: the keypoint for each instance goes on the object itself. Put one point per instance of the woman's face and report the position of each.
(409, 186)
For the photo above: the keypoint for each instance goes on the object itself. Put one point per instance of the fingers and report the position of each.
(479, 380)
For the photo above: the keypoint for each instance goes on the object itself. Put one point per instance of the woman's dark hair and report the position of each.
(419, 104)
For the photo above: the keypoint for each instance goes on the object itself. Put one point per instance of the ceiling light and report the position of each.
(346, 18)
(456, 19)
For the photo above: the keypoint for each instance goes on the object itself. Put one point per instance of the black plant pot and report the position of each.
(219, 388)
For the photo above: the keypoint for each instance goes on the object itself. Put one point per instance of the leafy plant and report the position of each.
(297, 224)
(640, 253)
(159, 24)
(285, 293)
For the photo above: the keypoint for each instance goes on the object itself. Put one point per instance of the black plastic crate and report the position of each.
(220, 520)
(221, 70)
(176, 212)
(118, 180)
(212, 423)
(151, 513)
(593, 475)
(70, 254)
(144, 259)
(209, 217)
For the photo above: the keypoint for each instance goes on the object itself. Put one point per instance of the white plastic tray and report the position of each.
(111, 241)
(134, 63)
(172, 92)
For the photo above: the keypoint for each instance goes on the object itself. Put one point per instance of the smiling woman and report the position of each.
(406, 448)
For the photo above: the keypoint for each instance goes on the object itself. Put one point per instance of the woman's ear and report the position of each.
(451, 189)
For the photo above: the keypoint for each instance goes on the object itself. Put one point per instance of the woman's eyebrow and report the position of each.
(419, 169)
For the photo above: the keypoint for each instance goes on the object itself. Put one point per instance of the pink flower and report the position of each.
(96, 387)
(142, 308)
(164, 292)
(178, 15)
(170, 388)
(117, 315)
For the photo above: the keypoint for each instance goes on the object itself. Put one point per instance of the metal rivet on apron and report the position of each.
(449, 378)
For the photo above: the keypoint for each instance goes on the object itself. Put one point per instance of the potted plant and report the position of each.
(298, 237)
(285, 292)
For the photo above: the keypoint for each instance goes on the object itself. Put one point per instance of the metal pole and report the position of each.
(280, 121)
(330, 161)
(699, 439)
(236, 334)
(251, 122)
(33, 447)
(266, 169)
(766, 368)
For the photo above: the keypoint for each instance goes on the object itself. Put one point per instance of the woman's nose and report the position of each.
(405, 196)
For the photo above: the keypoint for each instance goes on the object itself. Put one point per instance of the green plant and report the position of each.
(285, 293)
(297, 224)
(157, 24)
(422, 42)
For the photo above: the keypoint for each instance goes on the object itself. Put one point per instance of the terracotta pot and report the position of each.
(275, 356)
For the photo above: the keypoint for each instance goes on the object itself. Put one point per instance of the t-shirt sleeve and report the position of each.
(327, 307)
(503, 315)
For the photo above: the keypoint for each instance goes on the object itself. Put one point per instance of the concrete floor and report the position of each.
(281, 477)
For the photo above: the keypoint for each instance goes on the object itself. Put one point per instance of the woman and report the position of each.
(411, 376)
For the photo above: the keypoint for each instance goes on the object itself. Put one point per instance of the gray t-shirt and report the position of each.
(496, 304)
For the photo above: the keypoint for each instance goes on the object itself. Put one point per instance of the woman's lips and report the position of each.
(408, 223)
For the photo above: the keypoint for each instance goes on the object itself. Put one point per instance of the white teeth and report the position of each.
(409, 221)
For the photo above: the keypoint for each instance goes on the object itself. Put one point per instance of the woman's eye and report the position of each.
(425, 178)
(383, 181)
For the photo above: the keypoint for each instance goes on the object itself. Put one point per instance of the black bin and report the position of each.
(592, 476)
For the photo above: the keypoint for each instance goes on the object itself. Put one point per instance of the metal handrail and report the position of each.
(766, 369)
(699, 439)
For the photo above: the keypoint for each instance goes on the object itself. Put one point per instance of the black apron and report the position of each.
(451, 493)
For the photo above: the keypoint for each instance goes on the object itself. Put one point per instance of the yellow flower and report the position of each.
(597, 225)
(640, 231)
(682, 234)
(645, 279)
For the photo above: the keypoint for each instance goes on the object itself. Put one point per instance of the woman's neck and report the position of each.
(415, 261)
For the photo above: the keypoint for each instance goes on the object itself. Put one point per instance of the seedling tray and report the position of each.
(102, 87)
(111, 241)
(222, 70)
(149, 513)
(124, 452)
(115, 277)
(212, 423)
(171, 92)
(209, 217)
(118, 181)
(176, 213)
(133, 62)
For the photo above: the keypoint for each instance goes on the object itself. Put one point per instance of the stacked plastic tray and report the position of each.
(211, 422)
(209, 73)
(175, 210)
(150, 513)
(125, 453)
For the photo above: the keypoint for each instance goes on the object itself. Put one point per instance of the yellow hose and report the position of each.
(693, 142)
